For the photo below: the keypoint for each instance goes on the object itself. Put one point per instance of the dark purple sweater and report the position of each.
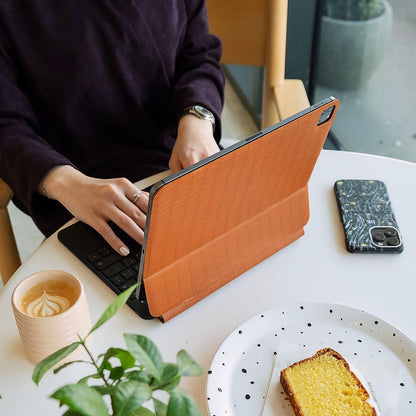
(99, 85)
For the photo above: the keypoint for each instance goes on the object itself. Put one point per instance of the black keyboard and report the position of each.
(116, 271)
(121, 271)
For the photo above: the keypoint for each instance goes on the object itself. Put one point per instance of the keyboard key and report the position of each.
(129, 273)
(124, 286)
(93, 257)
(129, 261)
(105, 251)
(114, 269)
(107, 261)
(118, 279)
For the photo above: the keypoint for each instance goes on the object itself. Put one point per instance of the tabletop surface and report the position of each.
(315, 268)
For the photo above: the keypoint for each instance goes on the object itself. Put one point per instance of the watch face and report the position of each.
(203, 111)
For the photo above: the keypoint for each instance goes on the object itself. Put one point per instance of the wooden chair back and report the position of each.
(254, 33)
(9, 255)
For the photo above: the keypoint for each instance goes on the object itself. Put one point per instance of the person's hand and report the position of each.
(195, 142)
(97, 201)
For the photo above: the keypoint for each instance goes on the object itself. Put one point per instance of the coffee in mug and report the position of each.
(49, 298)
(51, 312)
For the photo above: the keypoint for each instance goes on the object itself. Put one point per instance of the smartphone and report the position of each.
(367, 216)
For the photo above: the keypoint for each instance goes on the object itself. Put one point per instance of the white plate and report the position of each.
(240, 373)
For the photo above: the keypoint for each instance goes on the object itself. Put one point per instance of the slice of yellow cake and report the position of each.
(324, 385)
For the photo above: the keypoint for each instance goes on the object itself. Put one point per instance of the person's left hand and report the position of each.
(195, 142)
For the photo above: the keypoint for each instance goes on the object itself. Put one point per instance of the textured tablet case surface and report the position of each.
(215, 222)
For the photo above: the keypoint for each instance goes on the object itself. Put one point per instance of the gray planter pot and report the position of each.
(349, 51)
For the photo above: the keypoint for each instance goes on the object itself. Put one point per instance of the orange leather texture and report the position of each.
(214, 223)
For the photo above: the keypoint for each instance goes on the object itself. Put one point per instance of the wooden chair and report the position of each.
(9, 256)
(253, 32)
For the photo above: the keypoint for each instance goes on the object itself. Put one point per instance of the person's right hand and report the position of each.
(97, 201)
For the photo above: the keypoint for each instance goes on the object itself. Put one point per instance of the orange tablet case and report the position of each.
(213, 221)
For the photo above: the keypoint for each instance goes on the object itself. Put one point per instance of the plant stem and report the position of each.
(82, 341)
(94, 362)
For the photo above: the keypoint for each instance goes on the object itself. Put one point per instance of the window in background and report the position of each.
(366, 58)
(301, 28)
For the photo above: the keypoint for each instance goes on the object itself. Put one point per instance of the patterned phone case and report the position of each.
(367, 217)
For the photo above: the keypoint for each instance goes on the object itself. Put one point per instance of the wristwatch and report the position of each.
(200, 112)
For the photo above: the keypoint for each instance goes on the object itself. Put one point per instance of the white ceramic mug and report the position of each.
(50, 321)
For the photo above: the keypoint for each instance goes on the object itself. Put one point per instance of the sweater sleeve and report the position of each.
(199, 79)
(25, 157)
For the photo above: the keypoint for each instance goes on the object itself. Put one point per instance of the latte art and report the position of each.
(48, 305)
(49, 298)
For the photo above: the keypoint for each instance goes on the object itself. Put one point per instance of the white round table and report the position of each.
(315, 268)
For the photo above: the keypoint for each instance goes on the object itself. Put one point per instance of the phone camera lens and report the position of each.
(390, 232)
(393, 241)
(378, 236)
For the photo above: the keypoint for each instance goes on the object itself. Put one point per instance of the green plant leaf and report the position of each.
(81, 399)
(114, 307)
(116, 373)
(146, 353)
(182, 404)
(187, 365)
(57, 370)
(142, 411)
(103, 390)
(129, 396)
(126, 359)
(71, 413)
(85, 379)
(170, 377)
(47, 363)
(143, 376)
(160, 408)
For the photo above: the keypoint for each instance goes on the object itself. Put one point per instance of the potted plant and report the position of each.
(124, 380)
(353, 37)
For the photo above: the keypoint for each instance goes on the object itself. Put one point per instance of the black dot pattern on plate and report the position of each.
(251, 349)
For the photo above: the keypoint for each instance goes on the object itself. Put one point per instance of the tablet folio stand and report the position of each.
(215, 222)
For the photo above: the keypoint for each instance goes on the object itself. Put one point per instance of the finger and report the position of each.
(142, 202)
(133, 212)
(175, 165)
(129, 225)
(131, 205)
(115, 242)
(192, 158)
(130, 217)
